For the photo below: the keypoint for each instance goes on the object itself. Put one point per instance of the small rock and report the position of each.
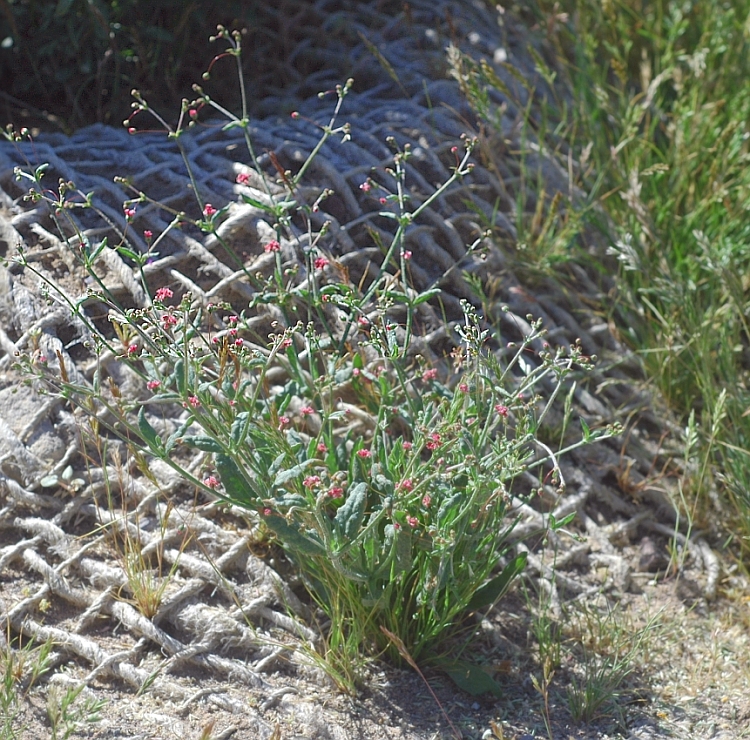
(653, 558)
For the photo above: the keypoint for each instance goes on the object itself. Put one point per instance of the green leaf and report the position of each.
(586, 431)
(152, 439)
(494, 589)
(284, 476)
(237, 488)
(202, 442)
(446, 509)
(176, 435)
(98, 250)
(239, 426)
(554, 525)
(349, 517)
(402, 545)
(257, 204)
(469, 677)
(129, 253)
(423, 297)
(291, 537)
(179, 376)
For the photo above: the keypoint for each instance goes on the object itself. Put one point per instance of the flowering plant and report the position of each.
(387, 477)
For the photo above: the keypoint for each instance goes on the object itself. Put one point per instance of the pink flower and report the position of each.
(212, 482)
(434, 442)
(311, 481)
(365, 187)
(364, 454)
(152, 385)
(267, 512)
(131, 129)
(356, 372)
(233, 332)
(426, 500)
(502, 410)
(406, 254)
(132, 349)
(363, 321)
(454, 149)
(406, 485)
(320, 263)
(283, 421)
(162, 294)
(194, 402)
(286, 343)
(307, 410)
(129, 213)
(336, 492)
(383, 201)
(233, 319)
(322, 448)
(208, 210)
(294, 114)
(148, 234)
(463, 387)
(243, 178)
(412, 521)
(407, 445)
(193, 113)
(168, 320)
(272, 246)
(239, 342)
(430, 374)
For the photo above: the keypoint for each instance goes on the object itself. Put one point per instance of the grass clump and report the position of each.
(386, 476)
(656, 144)
(663, 104)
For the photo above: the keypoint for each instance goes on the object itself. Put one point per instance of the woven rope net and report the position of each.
(226, 608)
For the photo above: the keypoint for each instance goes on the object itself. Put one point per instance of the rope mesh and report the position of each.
(226, 609)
